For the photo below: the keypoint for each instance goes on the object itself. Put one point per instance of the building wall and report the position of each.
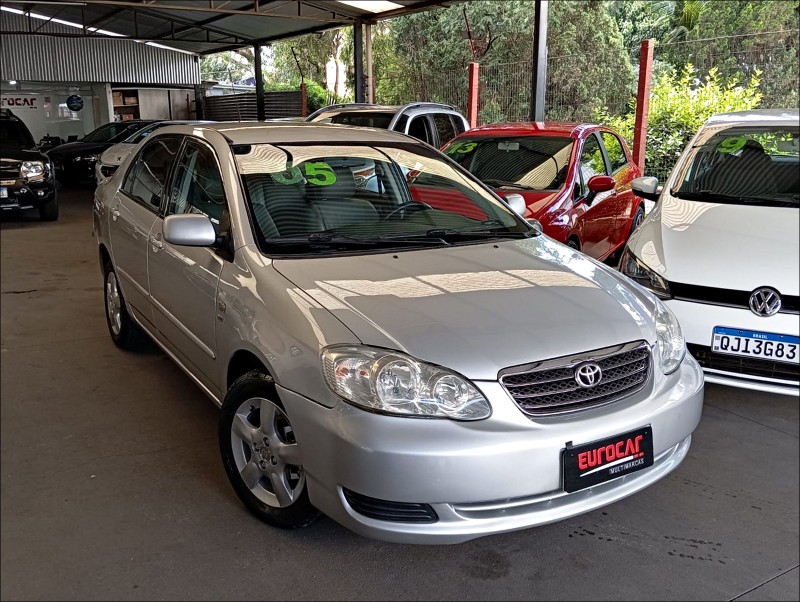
(76, 59)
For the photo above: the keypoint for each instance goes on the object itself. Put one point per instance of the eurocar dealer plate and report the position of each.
(594, 463)
(751, 343)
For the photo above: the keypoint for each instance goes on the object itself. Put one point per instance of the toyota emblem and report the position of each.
(765, 302)
(588, 375)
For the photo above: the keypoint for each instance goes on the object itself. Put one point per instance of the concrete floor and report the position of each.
(112, 486)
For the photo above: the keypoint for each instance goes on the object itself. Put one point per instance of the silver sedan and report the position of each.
(412, 359)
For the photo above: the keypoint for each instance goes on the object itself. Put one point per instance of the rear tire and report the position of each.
(574, 244)
(638, 218)
(125, 333)
(48, 212)
(261, 456)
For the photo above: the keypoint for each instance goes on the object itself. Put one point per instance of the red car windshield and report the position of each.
(524, 163)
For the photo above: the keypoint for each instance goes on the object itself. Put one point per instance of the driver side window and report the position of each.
(197, 186)
(591, 163)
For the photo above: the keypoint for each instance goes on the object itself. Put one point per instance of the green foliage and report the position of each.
(679, 104)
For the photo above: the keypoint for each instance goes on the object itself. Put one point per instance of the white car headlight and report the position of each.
(31, 169)
(395, 383)
(671, 344)
(635, 269)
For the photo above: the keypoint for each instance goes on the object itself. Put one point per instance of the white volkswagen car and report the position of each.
(721, 248)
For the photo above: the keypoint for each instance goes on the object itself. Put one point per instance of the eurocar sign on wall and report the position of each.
(20, 102)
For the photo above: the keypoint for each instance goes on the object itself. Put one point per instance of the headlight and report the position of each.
(395, 383)
(31, 169)
(671, 345)
(637, 271)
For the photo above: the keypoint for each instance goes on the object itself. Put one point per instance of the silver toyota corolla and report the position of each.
(412, 359)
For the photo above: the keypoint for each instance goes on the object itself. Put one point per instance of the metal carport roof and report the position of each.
(204, 26)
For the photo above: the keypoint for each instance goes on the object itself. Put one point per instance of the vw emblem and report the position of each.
(588, 375)
(765, 302)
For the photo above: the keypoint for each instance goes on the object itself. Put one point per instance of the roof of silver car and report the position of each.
(756, 116)
(255, 132)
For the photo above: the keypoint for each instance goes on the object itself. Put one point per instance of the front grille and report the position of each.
(790, 304)
(747, 366)
(549, 387)
(396, 512)
(9, 170)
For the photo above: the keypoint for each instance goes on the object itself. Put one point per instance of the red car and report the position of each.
(575, 179)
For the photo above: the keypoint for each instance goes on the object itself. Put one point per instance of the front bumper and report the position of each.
(22, 193)
(697, 322)
(490, 476)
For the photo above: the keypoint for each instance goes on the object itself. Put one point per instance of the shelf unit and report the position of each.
(126, 104)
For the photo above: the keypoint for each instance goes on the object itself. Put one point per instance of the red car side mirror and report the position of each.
(600, 183)
(597, 184)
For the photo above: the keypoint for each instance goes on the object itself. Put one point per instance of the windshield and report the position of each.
(752, 165)
(13, 133)
(525, 162)
(329, 198)
(112, 132)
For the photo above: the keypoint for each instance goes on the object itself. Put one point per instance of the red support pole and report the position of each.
(472, 102)
(643, 102)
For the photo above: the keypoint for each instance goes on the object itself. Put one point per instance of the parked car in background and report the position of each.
(111, 158)
(721, 248)
(419, 374)
(431, 122)
(575, 179)
(26, 174)
(74, 161)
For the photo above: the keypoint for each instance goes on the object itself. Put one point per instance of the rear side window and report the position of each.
(147, 176)
(458, 124)
(592, 162)
(370, 119)
(444, 127)
(615, 152)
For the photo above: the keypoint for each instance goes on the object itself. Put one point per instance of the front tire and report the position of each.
(261, 455)
(125, 333)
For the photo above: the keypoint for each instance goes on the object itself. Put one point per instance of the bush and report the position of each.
(679, 105)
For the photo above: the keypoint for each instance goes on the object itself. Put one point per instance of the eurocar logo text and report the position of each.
(627, 449)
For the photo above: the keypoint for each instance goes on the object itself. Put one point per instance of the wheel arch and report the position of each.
(243, 361)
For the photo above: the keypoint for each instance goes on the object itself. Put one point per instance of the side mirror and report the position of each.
(189, 230)
(516, 202)
(646, 187)
(536, 225)
(598, 184)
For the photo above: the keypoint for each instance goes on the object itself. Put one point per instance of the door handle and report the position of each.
(155, 240)
(114, 213)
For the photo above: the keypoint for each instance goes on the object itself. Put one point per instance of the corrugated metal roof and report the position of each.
(204, 27)
(65, 59)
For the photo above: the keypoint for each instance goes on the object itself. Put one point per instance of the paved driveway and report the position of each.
(112, 487)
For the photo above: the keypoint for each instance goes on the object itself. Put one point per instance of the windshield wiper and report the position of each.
(505, 184)
(329, 240)
(480, 233)
(710, 195)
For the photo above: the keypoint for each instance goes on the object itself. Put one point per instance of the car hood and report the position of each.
(738, 247)
(13, 154)
(477, 309)
(75, 149)
(536, 201)
(116, 154)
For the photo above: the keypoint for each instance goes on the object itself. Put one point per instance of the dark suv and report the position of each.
(431, 122)
(26, 174)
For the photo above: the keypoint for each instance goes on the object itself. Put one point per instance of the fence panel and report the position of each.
(242, 107)
(449, 87)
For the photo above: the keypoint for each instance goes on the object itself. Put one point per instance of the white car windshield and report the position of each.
(752, 165)
(353, 197)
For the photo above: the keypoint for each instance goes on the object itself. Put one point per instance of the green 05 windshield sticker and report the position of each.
(318, 173)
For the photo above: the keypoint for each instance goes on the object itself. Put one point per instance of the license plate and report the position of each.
(751, 343)
(3, 192)
(600, 461)
(6, 182)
